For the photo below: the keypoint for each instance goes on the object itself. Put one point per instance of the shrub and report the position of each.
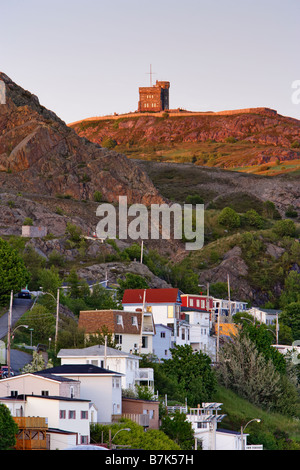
(285, 228)
(109, 143)
(229, 218)
(97, 196)
(28, 221)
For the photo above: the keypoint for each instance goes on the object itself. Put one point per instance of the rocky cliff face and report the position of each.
(40, 154)
(265, 136)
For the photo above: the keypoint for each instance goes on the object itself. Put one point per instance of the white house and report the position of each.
(165, 307)
(200, 327)
(112, 359)
(205, 422)
(55, 398)
(101, 386)
(266, 316)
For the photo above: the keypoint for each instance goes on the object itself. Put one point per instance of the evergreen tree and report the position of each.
(13, 273)
(8, 429)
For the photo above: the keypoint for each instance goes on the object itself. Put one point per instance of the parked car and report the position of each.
(24, 294)
(4, 372)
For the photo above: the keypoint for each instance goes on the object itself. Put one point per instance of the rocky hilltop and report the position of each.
(40, 154)
(260, 135)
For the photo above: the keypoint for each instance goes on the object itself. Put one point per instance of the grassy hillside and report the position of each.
(275, 431)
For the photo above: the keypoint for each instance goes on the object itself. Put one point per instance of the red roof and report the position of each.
(136, 296)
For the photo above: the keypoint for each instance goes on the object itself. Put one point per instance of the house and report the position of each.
(100, 386)
(165, 307)
(30, 231)
(228, 307)
(267, 316)
(145, 408)
(131, 330)
(205, 420)
(162, 342)
(57, 399)
(200, 330)
(197, 302)
(112, 359)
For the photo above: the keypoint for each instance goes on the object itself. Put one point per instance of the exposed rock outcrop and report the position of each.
(40, 154)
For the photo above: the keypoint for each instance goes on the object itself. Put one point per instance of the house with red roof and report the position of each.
(165, 307)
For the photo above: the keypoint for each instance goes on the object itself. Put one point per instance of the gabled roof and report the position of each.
(77, 369)
(159, 296)
(92, 321)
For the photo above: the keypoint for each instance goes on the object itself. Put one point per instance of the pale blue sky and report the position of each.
(88, 58)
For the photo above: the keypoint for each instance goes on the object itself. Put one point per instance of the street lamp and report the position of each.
(243, 429)
(111, 439)
(57, 312)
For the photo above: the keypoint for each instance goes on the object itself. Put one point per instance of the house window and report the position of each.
(102, 364)
(162, 334)
(118, 339)
(202, 303)
(72, 414)
(72, 392)
(134, 321)
(183, 334)
(84, 415)
(144, 341)
(191, 302)
(14, 393)
(62, 414)
(119, 320)
(170, 311)
(45, 393)
(198, 303)
(166, 352)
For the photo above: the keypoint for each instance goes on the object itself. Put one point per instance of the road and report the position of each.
(18, 358)
(20, 306)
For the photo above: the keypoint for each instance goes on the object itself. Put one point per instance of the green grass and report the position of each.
(239, 411)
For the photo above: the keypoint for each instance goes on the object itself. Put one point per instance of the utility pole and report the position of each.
(9, 332)
(57, 318)
(142, 323)
(142, 251)
(105, 352)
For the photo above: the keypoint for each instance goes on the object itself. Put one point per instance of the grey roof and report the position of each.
(97, 350)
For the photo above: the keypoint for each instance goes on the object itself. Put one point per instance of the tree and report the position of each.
(8, 428)
(291, 292)
(229, 218)
(38, 363)
(41, 321)
(131, 281)
(249, 374)
(49, 280)
(179, 430)
(290, 316)
(136, 438)
(13, 273)
(193, 372)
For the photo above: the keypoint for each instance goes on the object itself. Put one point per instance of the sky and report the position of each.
(89, 58)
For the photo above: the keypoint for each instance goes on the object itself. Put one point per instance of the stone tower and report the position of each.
(154, 98)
